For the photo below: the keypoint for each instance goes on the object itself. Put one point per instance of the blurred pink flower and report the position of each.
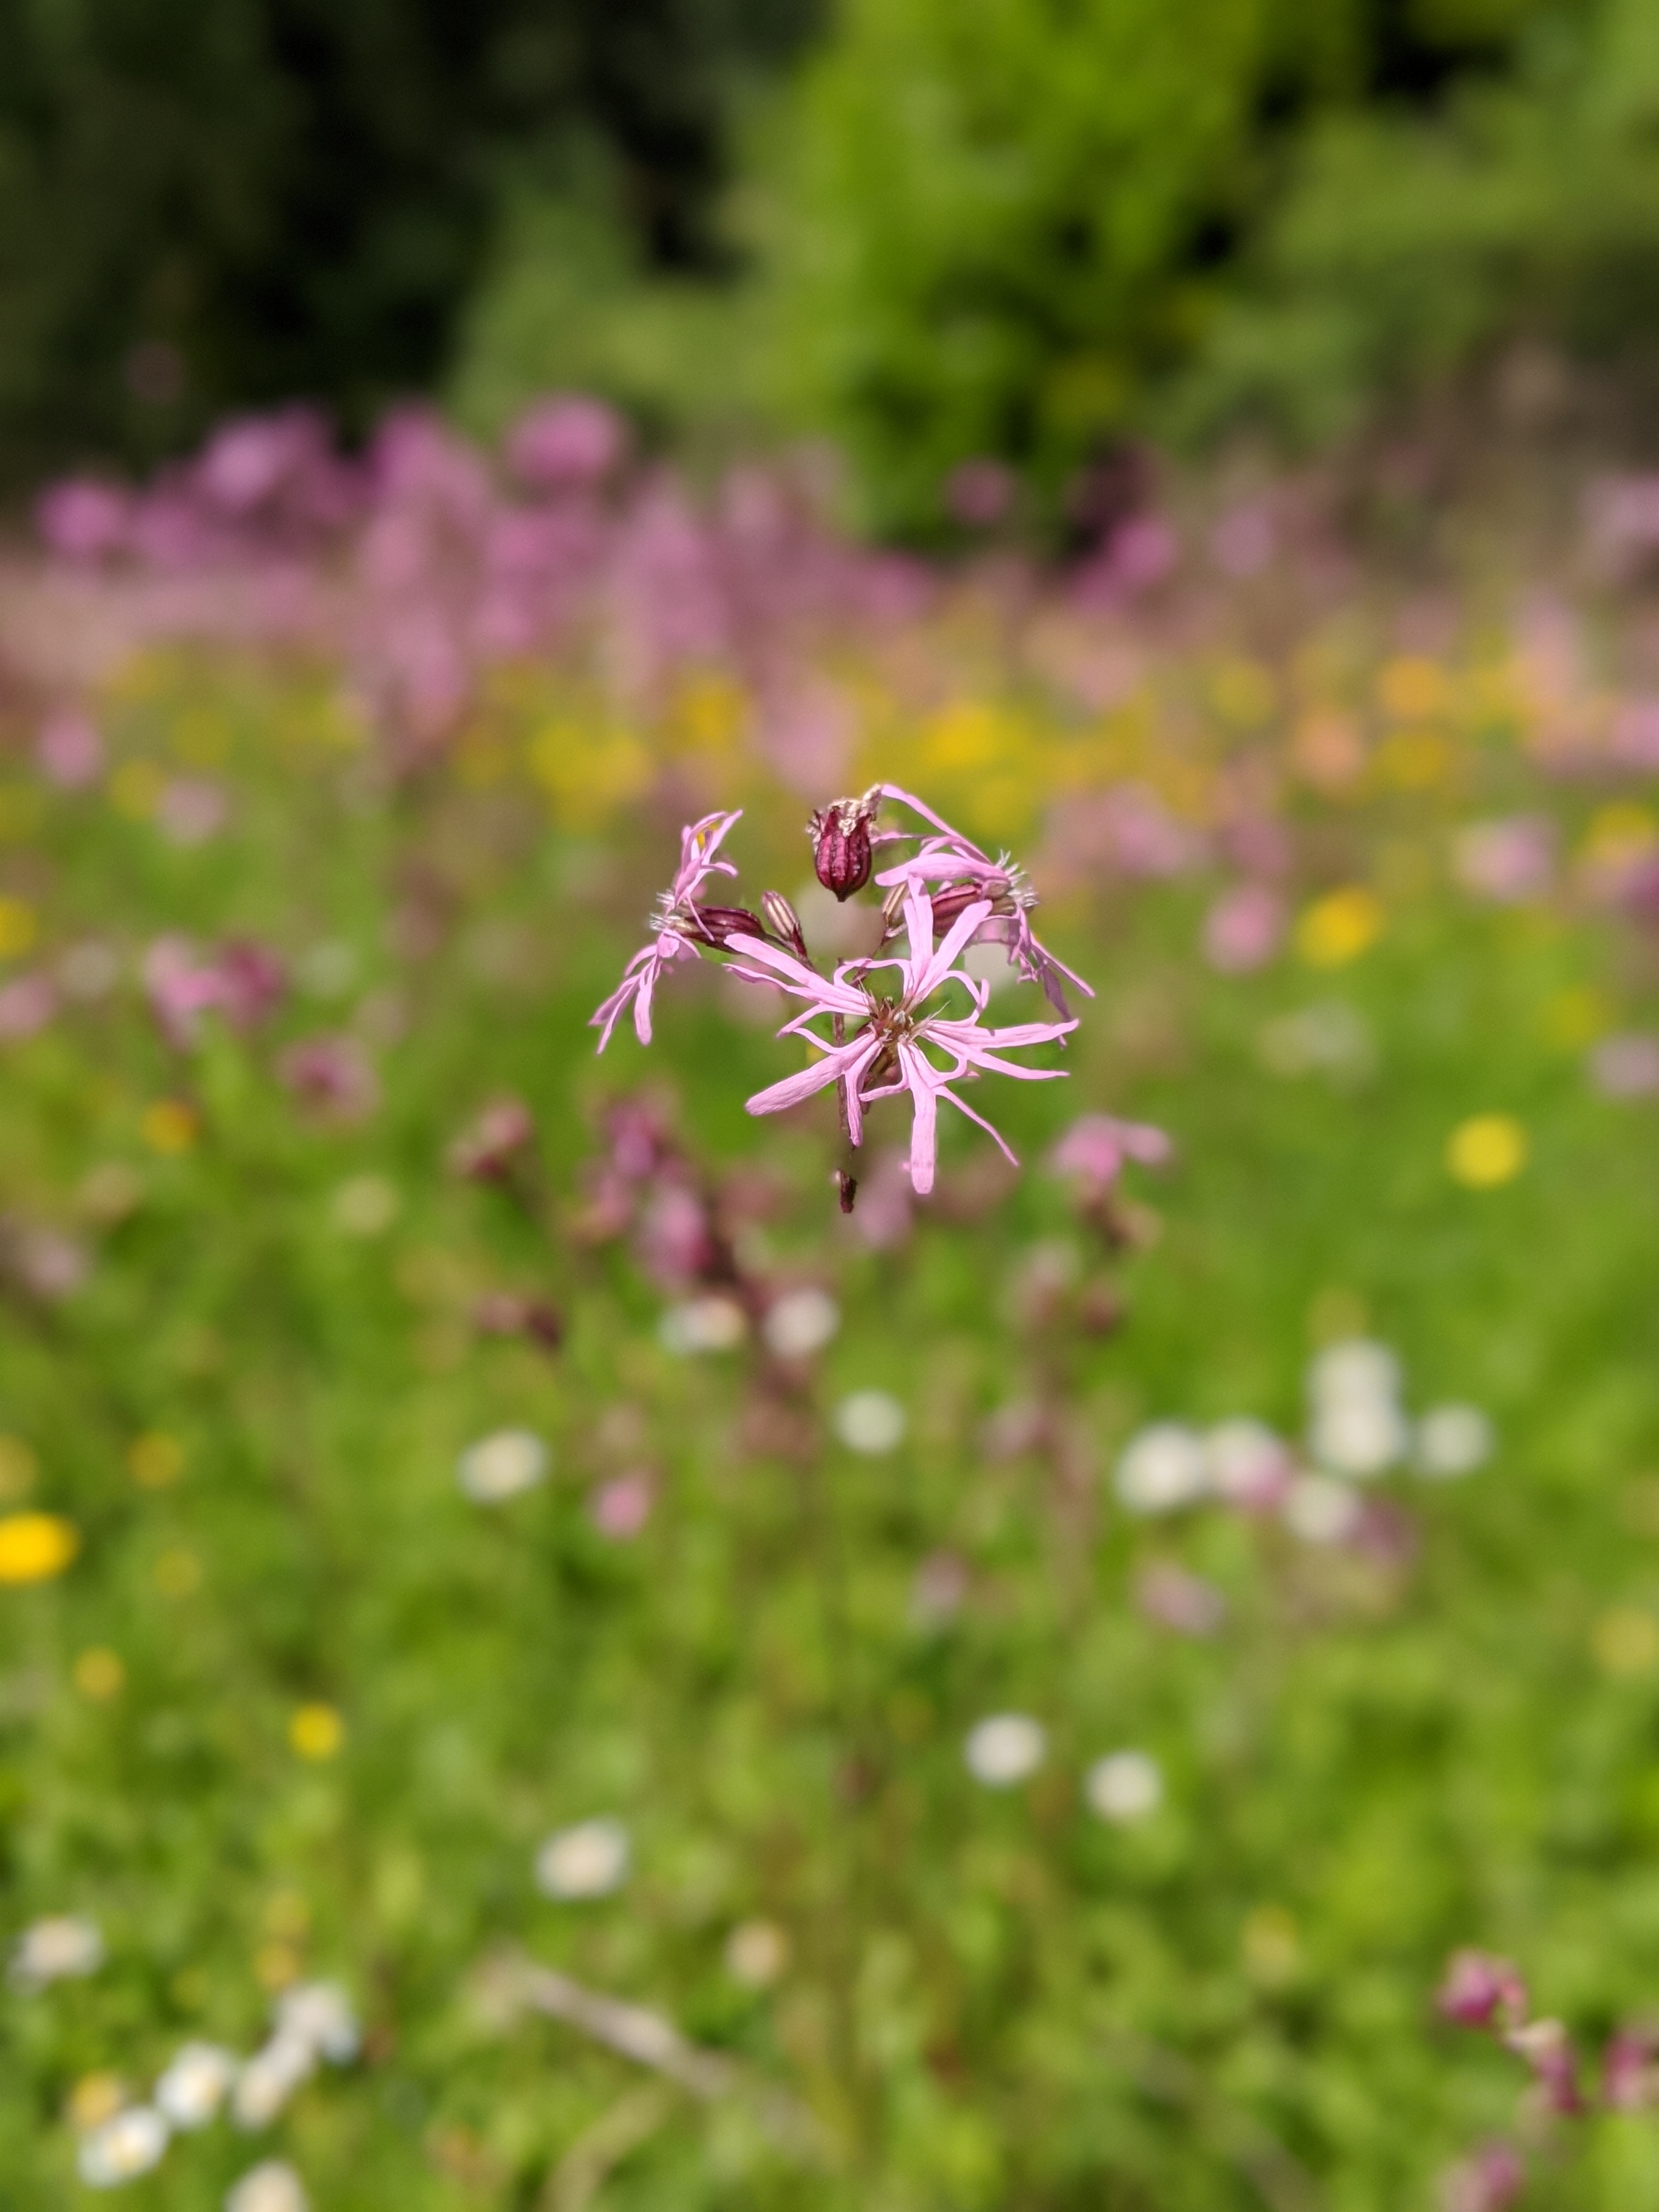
(332, 1075)
(566, 444)
(675, 1241)
(1633, 739)
(1625, 1067)
(1243, 930)
(486, 1149)
(1481, 1990)
(82, 519)
(27, 1005)
(1094, 1149)
(1490, 2179)
(621, 1507)
(68, 749)
(894, 1033)
(675, 933)
(191, 810)
(1509, 860)
(180, 989)
(1243, 543)
(1629, 2078)
(1168, 1596)
(1547, 2049)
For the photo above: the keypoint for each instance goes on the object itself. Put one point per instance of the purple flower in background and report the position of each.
(1630, 2079)
(70, 750)
(1095, 1148)
(1625, 1067)
(620, 1508)
(487, 1148)
(888, 1051)
(180, 989)
(979, 493)
(83, 519)
(1243, 929)
(192, 810)
(333, 1076)
(566, 444)
(675, 931)
(27, 1005)
(1547, 2049)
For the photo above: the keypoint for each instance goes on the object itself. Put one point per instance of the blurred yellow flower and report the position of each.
(1339, 927)
(178, 1573)
(1410, 687)
(168, 1126)
(275, 1965)
(316, 1731)
(94, 2098)
(1244, 693)
(1620, 833)
(35, 1546)
(100, 1675)
(1486, 1150)
(18, 1468)
(17, 927)
(135, 789)
(155, 1460)
(1625, 1643)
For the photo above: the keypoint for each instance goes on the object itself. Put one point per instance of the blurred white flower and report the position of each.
(1246, 1463)
(1004, 1749)
(711, 1324)
(270, 2078)
(1354, 1369)
(1125, 1785)
(195, 2084)
(366, 1206)
(124, 2147)
(319, 2014)
(756, 1954)
(871, 1421)
(1163, 1469)
(501, 1466)
(589, 1860)
(1359, 1436)
(1320, 1510)
(55, 1950)
(800, 1322)
(1452, 1440)
(272, 2186)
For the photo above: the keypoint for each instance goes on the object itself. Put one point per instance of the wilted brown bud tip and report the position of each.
(715, 925)
(783, 922)
(847, 1189)
(841, 844)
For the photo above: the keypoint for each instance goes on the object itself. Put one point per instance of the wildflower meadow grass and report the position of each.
(543, 1663)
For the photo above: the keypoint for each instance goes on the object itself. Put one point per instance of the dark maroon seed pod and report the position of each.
(715, 925)
(840, 846)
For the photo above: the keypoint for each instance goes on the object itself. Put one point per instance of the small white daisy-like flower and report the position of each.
(1124, 1786)
(272, 2186)
(1004, 1749)
(871, 1422)
(1359, 1436)
(190, 2093)
(756, 1954)
(1452, 1440)
(502, 1465)
(320, 2014)
(1163, 1469)
(589, 1860)
(800, 1322)
(122, 2148)
(1320, 1510)
(270, 2078)
(62, 1949)
(1355, 1368)
(708, 1324)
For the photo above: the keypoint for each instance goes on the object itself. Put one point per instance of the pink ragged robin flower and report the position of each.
(676, 930)
(892, 1036)
(1481, 1990)
(960, 874)
(1094, 1149)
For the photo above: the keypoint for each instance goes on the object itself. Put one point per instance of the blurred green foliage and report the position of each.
(253, 200)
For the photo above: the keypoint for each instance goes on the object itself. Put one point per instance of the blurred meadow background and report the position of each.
(544, 1665)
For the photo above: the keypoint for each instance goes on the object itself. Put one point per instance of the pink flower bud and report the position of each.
(485, 1150)
(841, 844)
(1547, 2049)
(1481, 1991)
(1629, 2077)
(1489, 2181)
